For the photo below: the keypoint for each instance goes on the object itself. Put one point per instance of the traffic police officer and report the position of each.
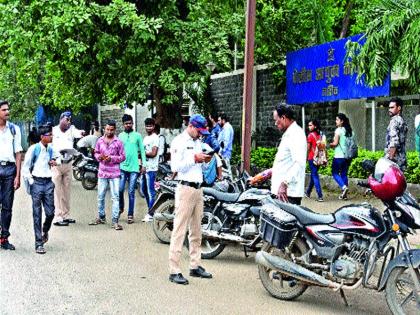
(186, 159)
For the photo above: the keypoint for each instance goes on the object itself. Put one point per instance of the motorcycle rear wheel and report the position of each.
(163, 229)
(399, 292)
(89, 183)
(281, 286)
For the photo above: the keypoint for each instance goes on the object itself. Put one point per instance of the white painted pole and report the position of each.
(303, 117)
(373, 125)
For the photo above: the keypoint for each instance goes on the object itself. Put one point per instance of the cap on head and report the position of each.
(199, 122)
(65, 115)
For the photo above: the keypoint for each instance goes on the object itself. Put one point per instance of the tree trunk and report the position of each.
(346, 19)
(167, 116)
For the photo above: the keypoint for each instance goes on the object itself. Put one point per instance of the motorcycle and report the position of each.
(355, 246)
(164, 205)
(235, 218)
(89, 173)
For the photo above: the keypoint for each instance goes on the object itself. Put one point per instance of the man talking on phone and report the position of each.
(186, 160)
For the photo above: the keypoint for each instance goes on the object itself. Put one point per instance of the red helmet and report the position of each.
(388, 181)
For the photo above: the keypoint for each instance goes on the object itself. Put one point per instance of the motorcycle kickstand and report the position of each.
(344, 298)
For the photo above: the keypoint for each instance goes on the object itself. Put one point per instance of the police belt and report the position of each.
(190, 184)
(6, 163)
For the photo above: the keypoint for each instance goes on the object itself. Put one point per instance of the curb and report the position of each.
(328, 182)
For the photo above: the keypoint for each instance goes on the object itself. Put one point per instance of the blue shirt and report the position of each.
(216, 130)
(211, 140)
(226, 136)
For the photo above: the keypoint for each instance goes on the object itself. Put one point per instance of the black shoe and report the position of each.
(61, 223)
(45, 238)
(6, 245)
(69, 220)
(178, 278)
(200, 272)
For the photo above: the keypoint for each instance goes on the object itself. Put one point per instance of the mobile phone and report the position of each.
(210, 152)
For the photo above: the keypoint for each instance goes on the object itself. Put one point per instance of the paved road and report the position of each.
(97, 270)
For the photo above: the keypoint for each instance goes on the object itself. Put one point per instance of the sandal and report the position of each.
(97, 221)
(117, 226)
(130, 219)
(40, 250)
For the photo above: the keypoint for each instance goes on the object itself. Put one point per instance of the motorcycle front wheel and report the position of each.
(77, 174)
(399, 292)
(211, 248)
(89, 182)
(163, 229)
(281, 286)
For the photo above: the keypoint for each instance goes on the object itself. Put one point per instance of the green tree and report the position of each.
(391, 42)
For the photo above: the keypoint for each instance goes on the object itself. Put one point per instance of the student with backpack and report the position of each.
(314, 158)
(37, 175)
(345, 150)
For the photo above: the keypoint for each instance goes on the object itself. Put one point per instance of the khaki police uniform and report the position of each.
(188, 201)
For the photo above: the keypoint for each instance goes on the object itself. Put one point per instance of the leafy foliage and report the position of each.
(391, 42)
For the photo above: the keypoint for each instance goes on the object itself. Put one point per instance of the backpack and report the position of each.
(351, 151)
(34, 158)
(210, 171)
(12, 129)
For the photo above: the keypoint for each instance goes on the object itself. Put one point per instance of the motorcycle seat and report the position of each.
(305, 215)
(221, 196)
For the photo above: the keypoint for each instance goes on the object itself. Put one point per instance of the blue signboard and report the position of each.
(322, 74)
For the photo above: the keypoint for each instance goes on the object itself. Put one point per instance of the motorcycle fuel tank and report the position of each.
(360, 219)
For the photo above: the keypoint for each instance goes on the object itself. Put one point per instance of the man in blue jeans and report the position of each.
(151, 145)
(134, 150)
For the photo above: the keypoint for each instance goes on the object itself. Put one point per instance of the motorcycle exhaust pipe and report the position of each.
(292, 269)
(162, 216)
(214, 235)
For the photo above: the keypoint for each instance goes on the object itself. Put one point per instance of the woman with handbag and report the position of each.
(315, 158)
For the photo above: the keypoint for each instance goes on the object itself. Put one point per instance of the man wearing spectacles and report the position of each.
(396, 134)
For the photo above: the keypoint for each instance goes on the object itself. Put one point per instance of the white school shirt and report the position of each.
(7, 152)
(183, 149)
(289, 164)
(41, 166)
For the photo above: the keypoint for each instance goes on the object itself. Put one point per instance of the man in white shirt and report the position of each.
(151, 146)
(87, 144)
(225, 140)
(288, 179)
(63, 137)
(37, 171)
(10, 163)
(186, 160)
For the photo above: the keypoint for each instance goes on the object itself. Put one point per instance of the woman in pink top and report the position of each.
(313, 139)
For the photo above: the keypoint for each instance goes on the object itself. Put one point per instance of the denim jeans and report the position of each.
(148, 188)
(114, 184)
(7, 193)
(314, 180)
(42, 192)
(340, 166)
(131, 177)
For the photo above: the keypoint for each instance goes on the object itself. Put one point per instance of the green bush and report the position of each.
(263, 158)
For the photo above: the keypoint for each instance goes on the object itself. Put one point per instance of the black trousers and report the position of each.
(42, 192)
(7, 194)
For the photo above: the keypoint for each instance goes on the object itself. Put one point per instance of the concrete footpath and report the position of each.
(97, 270)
